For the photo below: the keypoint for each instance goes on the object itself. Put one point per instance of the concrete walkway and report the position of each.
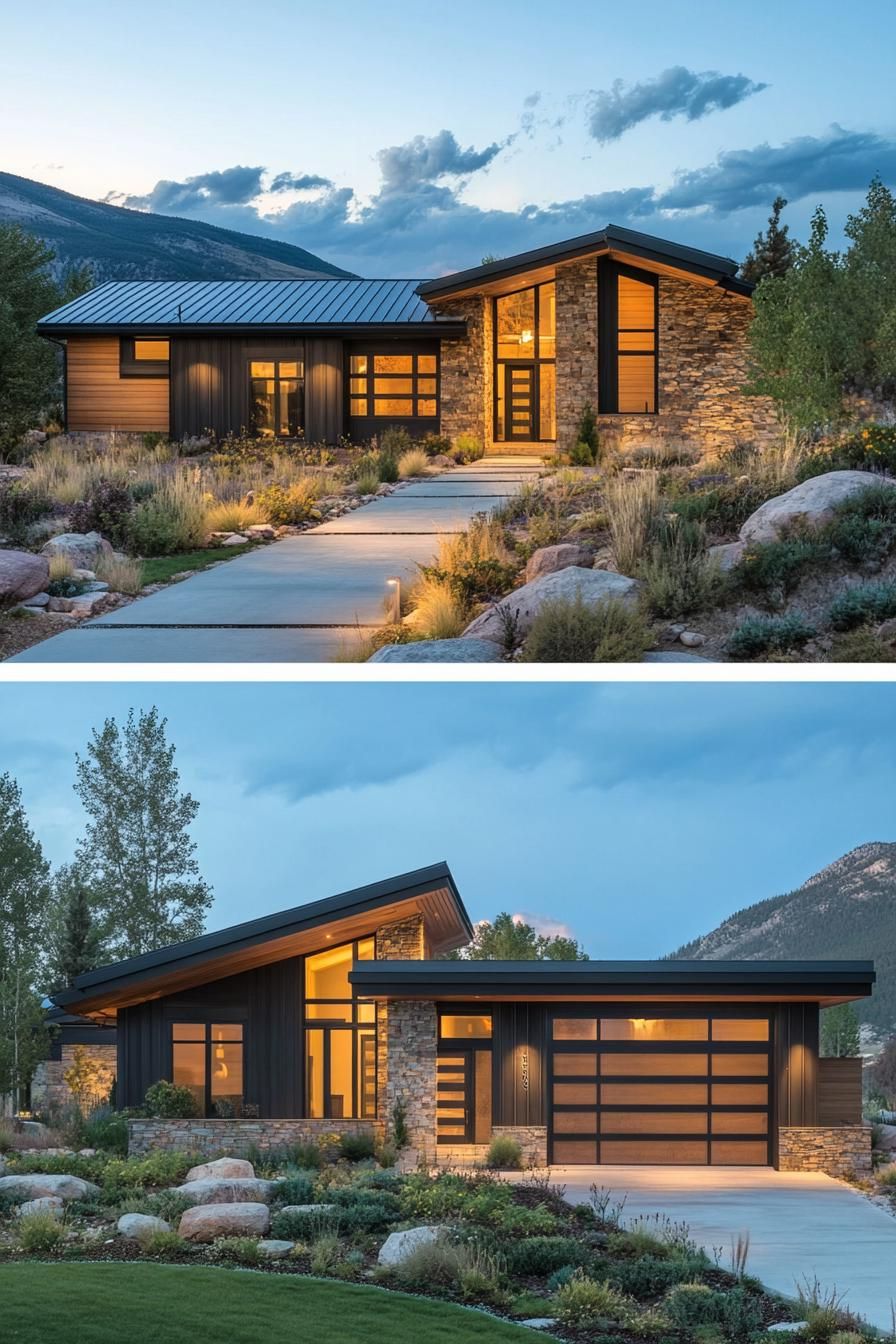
(801, 1225)
(303, 599)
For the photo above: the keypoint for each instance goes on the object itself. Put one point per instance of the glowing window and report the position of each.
(472, 1025)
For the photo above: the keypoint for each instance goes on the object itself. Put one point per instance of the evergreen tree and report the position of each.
(883, 1072)
(773, 251)
(509, 938)
(137, 853)
(76, 943)
(839, 1032)
(24, 896)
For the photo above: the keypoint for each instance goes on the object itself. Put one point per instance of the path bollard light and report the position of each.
(393, 600)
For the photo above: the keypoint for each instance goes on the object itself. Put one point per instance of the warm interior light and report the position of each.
(526, 337)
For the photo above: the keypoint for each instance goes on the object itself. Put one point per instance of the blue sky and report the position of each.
(637, 815)
(412, 139)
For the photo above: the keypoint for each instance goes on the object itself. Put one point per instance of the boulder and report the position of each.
(239, 1190)
(37, 1186)
(524, 604)
(439, 651)
(262, 531)
(726, 557)
(692, 639)
(86, 604)
(235, 539)
(398, 1246)
(550, 559)
(274, 1248)
(22, 575)
(82, 548)
(139, 1226)
(37, 601)
(812, 502)
(205, 1222)
(223, 1168)
(46, 1204)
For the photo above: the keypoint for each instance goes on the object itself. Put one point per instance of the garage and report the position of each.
(675, 1086)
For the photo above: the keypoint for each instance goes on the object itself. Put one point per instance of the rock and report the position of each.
(812, 502)
(523, 605)
(439, 651)
(442, 460)
(46, 1204)
(887, 629)
(308, 1208)
(223, 1168)
(207, 1221)
(726, 557)
(60, 604)
(86, 604)
(235, 539)
(673, 656)
(83, 575)
(691, 639)
(138, 1226)
(677, 630)
(264, 531)
(96, 586)
(37, 601)
(275, 1249)
(2, 1164)
(87, 1152)
(787, 1328)
(398, 1246)
(539, 1322)
(82, 548)
(550, 559)
(238, 1190)
(37, 1186)
(22, 575)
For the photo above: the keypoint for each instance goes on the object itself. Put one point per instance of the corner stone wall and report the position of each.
(50, 1091)
(406, 1060)
(234, 1138)
(842, 1150)
(402, 941)
(466, 371)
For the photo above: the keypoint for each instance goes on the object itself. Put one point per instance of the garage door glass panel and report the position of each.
(740, 1029)
(653, 1122)
(575, 1028)
(676, 1151)
(575, 1094)
(654, 1094)
(739, 1122)
(740, 1066)
(739, 1094)
(575, 1122)
(654, 1029)
(653, 1065)
(733, 1154)
(575, 1151)
(575, 1066)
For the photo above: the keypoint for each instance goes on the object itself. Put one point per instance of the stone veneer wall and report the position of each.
(234, 1138)
(533, 1140)
(49, 1090)
(401, 941)
(842, 1150)
(576, 290)
(467, 371)
(406, 1062)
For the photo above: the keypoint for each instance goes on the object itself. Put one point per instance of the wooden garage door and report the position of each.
(691, 1090)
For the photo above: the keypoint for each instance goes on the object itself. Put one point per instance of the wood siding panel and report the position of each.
(98, 398)
(324, 361)
(840, 1091)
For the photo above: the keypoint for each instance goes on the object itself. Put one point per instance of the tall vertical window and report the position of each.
(277, 397)
(207, 1058)
(627, 339)
(393, 385)
(340, 1036)
(525, 351)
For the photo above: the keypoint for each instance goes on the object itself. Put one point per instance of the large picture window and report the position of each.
(627, 339)
(393, 385)
(525, 352)
(340, 1036)
(207, 1058)
(277, 397)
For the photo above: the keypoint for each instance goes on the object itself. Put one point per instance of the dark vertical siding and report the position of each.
(323, 390)
(519, 1061)
(796, 1063)
(210, 381)
(267, 1000)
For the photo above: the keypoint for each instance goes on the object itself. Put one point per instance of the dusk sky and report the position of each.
(637, 815)
(402, 139)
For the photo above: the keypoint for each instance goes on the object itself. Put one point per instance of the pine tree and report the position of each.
(137, 854)
(24, 896)
(839, 1032)
(773, 251)
(76, 943)
(510, 938)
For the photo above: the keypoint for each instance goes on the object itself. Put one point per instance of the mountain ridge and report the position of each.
(846, 910)
(118, 243)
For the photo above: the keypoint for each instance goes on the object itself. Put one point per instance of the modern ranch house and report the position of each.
(317, 1020)
(651, 334)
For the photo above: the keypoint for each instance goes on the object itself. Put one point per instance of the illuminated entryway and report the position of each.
(524, 365)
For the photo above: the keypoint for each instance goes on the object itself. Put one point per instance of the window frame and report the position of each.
(129, 366)
(354, 1025)
(208, 1024)
(368, 424)
(299, 378)
(535, 361)
(608, 352)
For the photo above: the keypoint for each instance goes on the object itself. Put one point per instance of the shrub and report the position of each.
(647, 1276)
(168, 1101)
(863, 530)
(583, 1302)
(306, 1227)
(722, 509)
(368, 484)
(691, 1304)
(172, 520)
(467, 448)
(356, 1147)
(400, 1133)
(284, 505)
(325, 1252)
(436, 445)
(168, 1204)
(863, 603)
(560, 1276)
(570, 631)
(581, 455)
(545, 1255)
(160, 1245)
(768, 634)
(39, 1231)
(631, 507)
(774, 568)
(437, 612)
(20, 506)
(296, 1188)
(106, 1129)
(122, 573)
(678, 575)
(636, 1241)
(740, 1315)
(394, 441)
(414, 462)
(387, 1155)
(387, 466)
(106, 509)
(504, 1153)
(234, 515)
(587, 438)
(871, 448)
(239, 1250)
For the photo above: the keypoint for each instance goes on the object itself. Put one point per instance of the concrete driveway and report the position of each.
(306, 598)
(801, 1225)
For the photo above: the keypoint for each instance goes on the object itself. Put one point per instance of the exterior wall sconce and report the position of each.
(393, 599)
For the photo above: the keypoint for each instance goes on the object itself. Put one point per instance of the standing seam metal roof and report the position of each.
(261, 303)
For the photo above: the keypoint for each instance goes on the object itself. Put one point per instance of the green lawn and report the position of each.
(174, 1304)
(160, 568)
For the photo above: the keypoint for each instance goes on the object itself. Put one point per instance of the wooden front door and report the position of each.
(464, 1096)
(521, 402)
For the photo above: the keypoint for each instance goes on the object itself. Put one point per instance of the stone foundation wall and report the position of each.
(406, 1060)
(233, 1138)
(50, 1091)
(843, 1150)
(466, 371)
(533, 1140)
